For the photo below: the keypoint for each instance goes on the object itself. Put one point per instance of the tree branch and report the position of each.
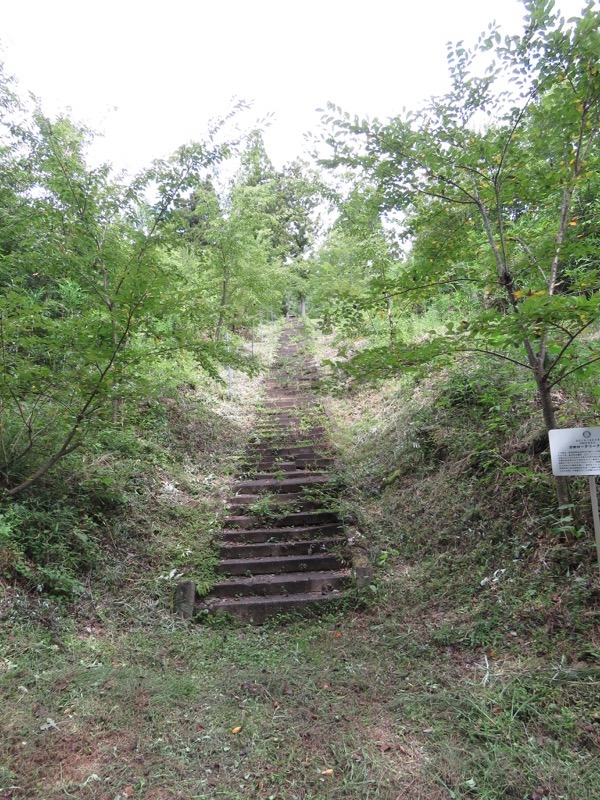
(569, 342)
(493, 353)
(430, 286)
(563, 375)
(87, 408)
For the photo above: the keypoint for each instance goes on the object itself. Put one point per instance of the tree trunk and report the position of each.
(390, 317)
(544, 392)
(222, 304)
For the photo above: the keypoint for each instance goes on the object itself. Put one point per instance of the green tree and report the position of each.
(495, 180)
(86, 295)
(358, 259)
(289, 199)
(248, 239)
(235, 257)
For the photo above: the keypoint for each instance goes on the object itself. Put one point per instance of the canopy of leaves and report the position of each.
(497, 186)
(99, 284)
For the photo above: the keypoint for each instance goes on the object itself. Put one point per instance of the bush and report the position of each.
(48, 546)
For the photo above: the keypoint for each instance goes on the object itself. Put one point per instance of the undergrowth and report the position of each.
(466, 670)
(450, 481)
(142, 493)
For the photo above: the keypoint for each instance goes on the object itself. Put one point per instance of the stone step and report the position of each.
(285, 377)
(249, 535)
(302, 360)
(300, 402)
(293, 445)
(273, 464)
(299, 424)
(230, 550)
(307, 372)
(290, 583)
(292, 358)
(281, 394)
(289, 473)
(287, 421)
(299, 519)
(284, 415)
(302, 449)
(286, 453)
(270, 464)
(295, 484)
(304, 386)
(269, 432)
(284, 498)
(275, 423)
(294, 441)
(307, 461)
(271, 507)
(259, 609)
(289, 436)
(275, 565)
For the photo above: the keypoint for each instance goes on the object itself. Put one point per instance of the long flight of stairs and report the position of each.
(283, 548)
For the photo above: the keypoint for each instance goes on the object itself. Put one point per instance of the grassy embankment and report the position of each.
(471, 673)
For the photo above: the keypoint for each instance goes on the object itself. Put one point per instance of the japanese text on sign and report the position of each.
(575, 451)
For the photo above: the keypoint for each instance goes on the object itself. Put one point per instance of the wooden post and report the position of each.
(185, 599)
(595, 513)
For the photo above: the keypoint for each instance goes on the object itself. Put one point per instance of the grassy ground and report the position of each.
(390, 702)
(469, 669)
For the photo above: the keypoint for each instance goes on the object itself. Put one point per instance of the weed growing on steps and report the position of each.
(267, 509)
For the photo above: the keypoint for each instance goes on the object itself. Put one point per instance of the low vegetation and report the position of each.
(468, 668)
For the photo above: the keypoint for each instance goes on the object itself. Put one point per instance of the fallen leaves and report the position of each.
(393, 747)
(237, 729)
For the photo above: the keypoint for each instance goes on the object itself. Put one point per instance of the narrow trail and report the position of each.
(283, 548)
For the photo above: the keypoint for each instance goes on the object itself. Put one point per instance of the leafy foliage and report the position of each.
(112, 295)
(496, 188)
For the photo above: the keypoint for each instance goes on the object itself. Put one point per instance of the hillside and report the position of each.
(469, 668)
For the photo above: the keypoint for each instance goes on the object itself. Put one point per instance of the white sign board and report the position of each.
(575, 451)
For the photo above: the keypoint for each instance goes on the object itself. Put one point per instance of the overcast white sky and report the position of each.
(149, 75)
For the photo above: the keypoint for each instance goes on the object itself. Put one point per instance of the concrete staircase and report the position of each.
(283, 548)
